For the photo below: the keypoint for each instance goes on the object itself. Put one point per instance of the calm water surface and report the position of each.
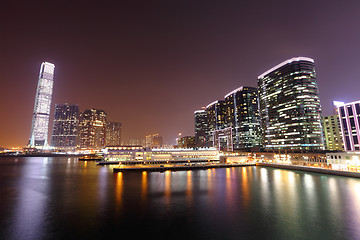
(62, 198)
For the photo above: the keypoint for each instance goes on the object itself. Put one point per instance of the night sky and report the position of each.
(151, 64)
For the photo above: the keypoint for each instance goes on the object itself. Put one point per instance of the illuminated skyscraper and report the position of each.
(66, 120)
(200, 128)
(216, 117)
(290, 106)
(40, 120)
(242, 115)
(92, 129)
(113, 134)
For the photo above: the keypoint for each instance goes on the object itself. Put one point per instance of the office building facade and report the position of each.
(201, 128)
(242, 115)
(65, 126)
(41, 114)
(349, 117)
(290, 110)
(216, 117)
(332, 133)
(92, 129)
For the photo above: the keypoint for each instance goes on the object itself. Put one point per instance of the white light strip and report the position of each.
(51, 64)
(346, 104)
(338, 104)
(296, 59)
(234, 91)
(199, 111)
(212, 103)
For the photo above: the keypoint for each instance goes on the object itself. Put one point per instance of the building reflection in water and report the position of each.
(118, 190)
(102, 188)
(72, 196)
(167, 186)
(293, 201)
(353, 196)
(28, 219)
(189, 182)
(144, 186)
(245, 186)
(229, 191)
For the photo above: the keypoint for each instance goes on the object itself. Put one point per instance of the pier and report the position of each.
(133, 162)
(163, 168)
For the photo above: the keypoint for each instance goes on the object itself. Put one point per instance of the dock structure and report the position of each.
(138, 153)
(136, 162)
(163, 168)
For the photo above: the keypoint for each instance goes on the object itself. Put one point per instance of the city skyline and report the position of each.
(155, 64)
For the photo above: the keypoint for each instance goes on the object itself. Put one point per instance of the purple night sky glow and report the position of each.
(151, 64)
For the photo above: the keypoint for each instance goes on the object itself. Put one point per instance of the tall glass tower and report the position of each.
(290, 106)
(40, 121)
(242, 115)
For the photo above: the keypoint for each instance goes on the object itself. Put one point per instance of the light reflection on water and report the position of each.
(54, 198)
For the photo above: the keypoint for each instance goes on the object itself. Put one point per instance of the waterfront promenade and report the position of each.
(311, 169)
(186, 167)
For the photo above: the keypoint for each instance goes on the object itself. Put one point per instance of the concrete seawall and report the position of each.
(311, 169)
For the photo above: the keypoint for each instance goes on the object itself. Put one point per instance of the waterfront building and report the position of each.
(186, 142)
(313, 159)
(349, 117)
(153, 141)
(216, 117)
(125, 153)
(332, 133)
(41, 114)
(346, 161)
(65, 126)
(201, 128)
(242, 115)
(290, 110)
(92, 129)
(138, 153)
(113, 133)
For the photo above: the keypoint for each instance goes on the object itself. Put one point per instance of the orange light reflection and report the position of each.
(118, 189)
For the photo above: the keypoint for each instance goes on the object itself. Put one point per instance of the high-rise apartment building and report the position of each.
(153, 141)
(201, 128)
(242, 115)
(113, 133)
(349, 116)
(332, 133)
(290, 108)
(65, 126)
(92, 129)
(216, 116)
(41, 114)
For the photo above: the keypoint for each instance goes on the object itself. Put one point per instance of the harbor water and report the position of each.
(63, 198)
